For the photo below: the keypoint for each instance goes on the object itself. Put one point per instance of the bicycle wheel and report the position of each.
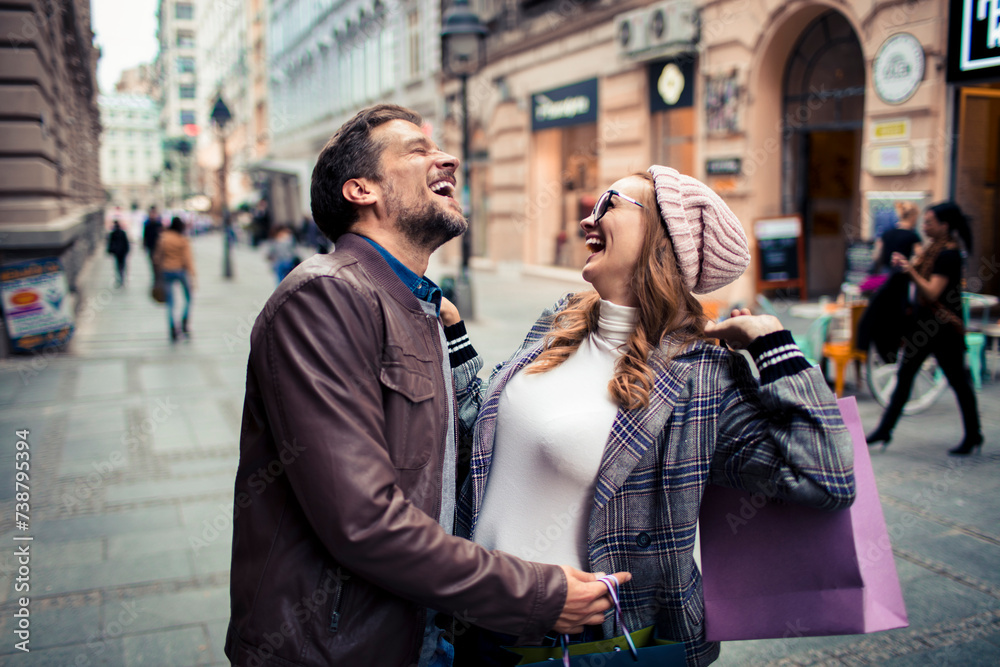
(928, 385)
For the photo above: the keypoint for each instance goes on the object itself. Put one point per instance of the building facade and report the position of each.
(329, 60)
(131, 150)
(177, 65)
(51, 199)
(809, 115)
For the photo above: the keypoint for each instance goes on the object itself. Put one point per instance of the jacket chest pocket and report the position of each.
(412, 426)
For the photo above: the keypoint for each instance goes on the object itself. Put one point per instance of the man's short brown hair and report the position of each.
(350, 153)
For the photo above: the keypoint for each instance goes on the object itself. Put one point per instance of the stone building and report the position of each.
(177, 67)
(131, 150)
(329, 60)
(817, 110)
(51, 199)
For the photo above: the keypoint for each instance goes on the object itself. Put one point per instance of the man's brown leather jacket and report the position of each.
(337, 550)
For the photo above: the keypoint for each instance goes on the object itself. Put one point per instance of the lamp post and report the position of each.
(463, 48)
(221, 117)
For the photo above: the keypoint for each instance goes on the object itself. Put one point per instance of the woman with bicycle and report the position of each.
(935, 324)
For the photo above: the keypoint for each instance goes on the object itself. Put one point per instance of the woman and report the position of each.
(902, 238)
(593, 442)
(935, 326)
(173, 258)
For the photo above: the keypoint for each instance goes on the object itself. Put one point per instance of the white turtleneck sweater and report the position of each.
(550, 436)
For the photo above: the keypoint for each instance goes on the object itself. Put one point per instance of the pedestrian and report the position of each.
(934, 324)
(261, 223)
(174, 259)
(281, 253)
(617, 410)
(151, 230)
(901, 238)
(343, 550)
(118, 246)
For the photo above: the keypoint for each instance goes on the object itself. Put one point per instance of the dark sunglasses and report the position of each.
(602, 204)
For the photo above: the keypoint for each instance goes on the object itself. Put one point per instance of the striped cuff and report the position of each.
(777, 356)
(460, 348)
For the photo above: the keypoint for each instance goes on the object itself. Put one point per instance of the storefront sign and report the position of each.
(896, 129)
(974, 40)
(671, 84)
(34, 304)
(898, 68)
(896, 160)
(575, 104)
(726, 166)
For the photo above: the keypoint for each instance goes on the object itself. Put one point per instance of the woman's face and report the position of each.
(934, 228)
(615, 242)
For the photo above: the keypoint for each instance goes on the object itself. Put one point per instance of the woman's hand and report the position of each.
(742, 328)
(899, 261)
(449, 313)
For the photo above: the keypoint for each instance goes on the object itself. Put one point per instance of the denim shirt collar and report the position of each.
(422, 287)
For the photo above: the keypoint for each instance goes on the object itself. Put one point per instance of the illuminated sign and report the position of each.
(974, 40)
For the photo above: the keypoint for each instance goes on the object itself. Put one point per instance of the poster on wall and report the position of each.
(880, 211)
(722, 104)
(35, 308)
(780, 253)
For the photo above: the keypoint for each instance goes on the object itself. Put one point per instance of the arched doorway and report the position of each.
(823, 111)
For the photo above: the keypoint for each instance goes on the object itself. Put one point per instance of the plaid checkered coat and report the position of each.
(708, 421)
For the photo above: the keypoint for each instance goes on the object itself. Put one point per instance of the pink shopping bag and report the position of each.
(780, 570)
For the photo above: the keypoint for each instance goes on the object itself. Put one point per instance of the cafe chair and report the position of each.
(842, 352)
(975, 346)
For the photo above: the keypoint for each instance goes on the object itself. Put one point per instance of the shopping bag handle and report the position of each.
(611, 581)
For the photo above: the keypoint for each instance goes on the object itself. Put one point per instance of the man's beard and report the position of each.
(427, 227)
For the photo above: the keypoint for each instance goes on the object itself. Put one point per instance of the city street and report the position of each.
(134, 445)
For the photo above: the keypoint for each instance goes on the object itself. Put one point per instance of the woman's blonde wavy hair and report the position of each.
(666, 308)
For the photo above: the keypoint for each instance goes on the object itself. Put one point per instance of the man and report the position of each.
(151, 231)
(342, 545)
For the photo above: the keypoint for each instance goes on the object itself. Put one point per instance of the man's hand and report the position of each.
(742, 328)
(449, 313)
(586, 600)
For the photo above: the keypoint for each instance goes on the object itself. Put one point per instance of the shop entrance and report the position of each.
(977, 183)
(823, 114)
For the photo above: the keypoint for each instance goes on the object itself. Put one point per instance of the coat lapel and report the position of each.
(635, 431)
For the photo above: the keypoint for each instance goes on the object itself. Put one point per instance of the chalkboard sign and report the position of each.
(780, 254)
(859, 262)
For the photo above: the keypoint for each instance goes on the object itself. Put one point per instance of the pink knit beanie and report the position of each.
(708, 239)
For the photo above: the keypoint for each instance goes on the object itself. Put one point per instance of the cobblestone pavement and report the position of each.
(134, 444)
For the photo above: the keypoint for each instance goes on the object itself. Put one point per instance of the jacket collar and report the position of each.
(635, 431)
(378, 269)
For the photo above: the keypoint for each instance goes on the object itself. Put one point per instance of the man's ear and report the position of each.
(360, 192)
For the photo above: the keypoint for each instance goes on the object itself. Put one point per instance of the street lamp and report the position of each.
(221, 117)
(463, 48)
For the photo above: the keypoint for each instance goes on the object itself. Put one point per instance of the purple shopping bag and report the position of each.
(780, 570)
